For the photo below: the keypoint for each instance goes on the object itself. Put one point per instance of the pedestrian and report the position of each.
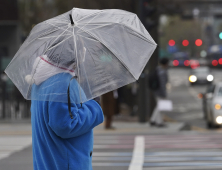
(109, 107)
(160, 91)
(105, 60)
(61, 140)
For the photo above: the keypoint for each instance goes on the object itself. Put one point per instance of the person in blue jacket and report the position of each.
(60, 142)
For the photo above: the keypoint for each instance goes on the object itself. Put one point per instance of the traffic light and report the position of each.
(220, 61)
(214, 62)
(185, 43)
(171, 43)
(148, 10)
(198, 42)
(220, 35)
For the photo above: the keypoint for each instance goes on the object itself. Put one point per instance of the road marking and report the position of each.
(184, 164)
(111, 154)
(138, 154)
(160, 159)
(183, 153)
(201, 157)
(187, 168)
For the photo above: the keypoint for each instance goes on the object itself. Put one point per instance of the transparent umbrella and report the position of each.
(101, 49)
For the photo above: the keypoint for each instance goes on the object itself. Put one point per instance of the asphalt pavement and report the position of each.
(187, 107)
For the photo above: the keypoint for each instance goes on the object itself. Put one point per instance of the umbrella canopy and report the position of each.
(104, 49)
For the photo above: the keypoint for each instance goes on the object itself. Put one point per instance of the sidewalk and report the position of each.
(15, 127)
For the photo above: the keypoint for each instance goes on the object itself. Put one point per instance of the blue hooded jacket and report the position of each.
(59, 142)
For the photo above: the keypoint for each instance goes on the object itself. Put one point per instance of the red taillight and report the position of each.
(214, 62)
(186, 62)
(198, 42)
(194, 64)
(185, 43)
(220, 61)
(175, 62)
(171, 43)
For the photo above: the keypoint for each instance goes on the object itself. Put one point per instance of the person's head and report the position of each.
(164, 62)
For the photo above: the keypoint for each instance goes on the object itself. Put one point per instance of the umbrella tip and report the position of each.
(70, 16)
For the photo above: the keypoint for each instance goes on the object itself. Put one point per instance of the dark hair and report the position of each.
(164, 61)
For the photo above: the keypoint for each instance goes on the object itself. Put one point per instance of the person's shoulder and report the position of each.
(61, 76)
(57, 82)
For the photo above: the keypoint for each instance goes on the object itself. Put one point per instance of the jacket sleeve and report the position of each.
(85, 118)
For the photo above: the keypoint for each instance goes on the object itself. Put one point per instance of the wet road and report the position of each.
(187, 105)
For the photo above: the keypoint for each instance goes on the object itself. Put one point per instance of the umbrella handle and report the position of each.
(69, 102)
(72, 22)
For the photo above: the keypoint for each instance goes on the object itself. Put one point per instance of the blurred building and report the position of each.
(9, 31)
(10, 40)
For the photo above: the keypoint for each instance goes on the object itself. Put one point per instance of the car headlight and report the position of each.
(192, 78)
(217, 106)
(210, 77)
(219, 119)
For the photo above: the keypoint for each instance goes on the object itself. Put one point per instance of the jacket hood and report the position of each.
(43, 68)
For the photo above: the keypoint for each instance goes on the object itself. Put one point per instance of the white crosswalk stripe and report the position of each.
(162, 152)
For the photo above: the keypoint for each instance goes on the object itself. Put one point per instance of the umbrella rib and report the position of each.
(76, 54)
(59, 21)
(49, 32)
(88, 22)
(63, 19)
(88, 38)
(111, 51)
(53, 36)
(146, 39)
(100, 11)
(89, 15)
(29, 88)
(57, 44)
(93, 28)
(59, 27)
(58, 37)
(139, 34)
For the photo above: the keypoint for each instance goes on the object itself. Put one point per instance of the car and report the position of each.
(200, 75)
(180, 59)
(212, 105)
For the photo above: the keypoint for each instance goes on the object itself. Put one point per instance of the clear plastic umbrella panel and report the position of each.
(102, 49)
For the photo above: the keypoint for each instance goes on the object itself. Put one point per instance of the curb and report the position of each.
(186, 126)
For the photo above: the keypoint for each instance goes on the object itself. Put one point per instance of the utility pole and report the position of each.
(148, 14)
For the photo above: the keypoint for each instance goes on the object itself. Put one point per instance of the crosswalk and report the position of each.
(162, 152)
